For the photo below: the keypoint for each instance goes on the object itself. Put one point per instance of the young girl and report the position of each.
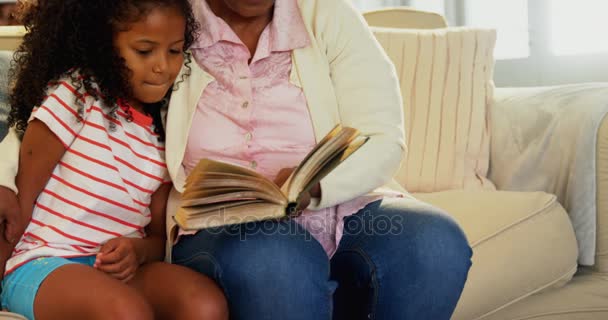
(91, 79)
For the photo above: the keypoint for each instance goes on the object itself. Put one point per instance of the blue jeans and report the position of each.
(392, 263)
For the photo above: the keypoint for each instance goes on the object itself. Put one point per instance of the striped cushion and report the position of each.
(446, 82)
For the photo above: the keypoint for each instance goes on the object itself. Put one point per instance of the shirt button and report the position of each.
(248, 136)
(245, 105)
(253, 164)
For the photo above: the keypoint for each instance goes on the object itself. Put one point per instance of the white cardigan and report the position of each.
(346, 78)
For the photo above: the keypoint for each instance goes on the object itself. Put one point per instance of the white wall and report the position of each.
(544, 68)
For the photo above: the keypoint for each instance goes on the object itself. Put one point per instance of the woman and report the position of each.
(271, 78)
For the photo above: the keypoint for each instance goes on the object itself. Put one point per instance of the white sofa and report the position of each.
(524, 247)
(525, 250)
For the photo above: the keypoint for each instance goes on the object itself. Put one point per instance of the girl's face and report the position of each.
(153, 49)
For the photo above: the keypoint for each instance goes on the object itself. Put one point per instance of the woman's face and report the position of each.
(250, 8)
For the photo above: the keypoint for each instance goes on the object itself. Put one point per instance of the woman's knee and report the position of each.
(258, 256)
(426, 237)
(271, 242)
(290, 249)
(438, 242)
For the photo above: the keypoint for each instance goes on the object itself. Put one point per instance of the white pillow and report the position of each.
(446, 83)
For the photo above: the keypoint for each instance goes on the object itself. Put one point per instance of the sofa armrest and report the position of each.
(9, 142)
(11, 36)
(5, 57)
(601, 252)
(546, 139)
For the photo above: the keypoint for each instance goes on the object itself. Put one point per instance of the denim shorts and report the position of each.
(19, 288)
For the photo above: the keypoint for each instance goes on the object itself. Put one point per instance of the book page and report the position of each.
(215, 180)
(208, 165)
(316, 161)
(189, 219)
(334, 162)
(202, 198)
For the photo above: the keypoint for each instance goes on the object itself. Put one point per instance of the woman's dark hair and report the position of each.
(64, 35)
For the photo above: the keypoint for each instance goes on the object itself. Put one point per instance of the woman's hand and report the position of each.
(10, 216)
(118, 258)
(314, 192)
(6, 250)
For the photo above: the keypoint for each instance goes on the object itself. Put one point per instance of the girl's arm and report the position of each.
(121, 257)
(40, 152)
(152, 247)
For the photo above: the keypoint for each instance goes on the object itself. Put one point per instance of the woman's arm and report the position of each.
(9, 204)
(368, 97)
(9, 162)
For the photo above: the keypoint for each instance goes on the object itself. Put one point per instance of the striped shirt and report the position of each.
(101, 188)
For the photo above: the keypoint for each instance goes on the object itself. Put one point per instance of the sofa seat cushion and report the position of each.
(522, 242)
(583, 298)
(10, 316)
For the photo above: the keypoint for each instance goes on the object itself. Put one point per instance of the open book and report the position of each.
(218, 193)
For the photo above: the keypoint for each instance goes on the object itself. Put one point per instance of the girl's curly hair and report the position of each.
(63, 35)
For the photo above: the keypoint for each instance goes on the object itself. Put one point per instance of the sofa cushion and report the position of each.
(5, 57)
(11, 316)
(522, 242)
(583, 298)
(446, 83)
(601, 245)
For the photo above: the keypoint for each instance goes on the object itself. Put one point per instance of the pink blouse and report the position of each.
(252, 116)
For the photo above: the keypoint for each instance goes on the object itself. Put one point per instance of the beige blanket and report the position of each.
(544, 139)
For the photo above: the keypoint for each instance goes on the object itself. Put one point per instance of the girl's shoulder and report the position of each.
(73, 84)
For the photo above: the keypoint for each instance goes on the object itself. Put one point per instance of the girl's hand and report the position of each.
(118, 258)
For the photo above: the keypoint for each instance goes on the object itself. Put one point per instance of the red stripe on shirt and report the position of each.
(116, 169)
(73, 90)
(138, 187)
(84, 174)
(86, 225)
(108, 183)
(45, 108)
(125, 144)
(97, 213)
(103, 146)
(111, 167)
(66, 106)
(134, 168)
(130, 135)
(141, 156)
(95, 143)
(147, 128)
(112, 202)
(41, 224)
(29, 234)
(101, 163)
(79, 248)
